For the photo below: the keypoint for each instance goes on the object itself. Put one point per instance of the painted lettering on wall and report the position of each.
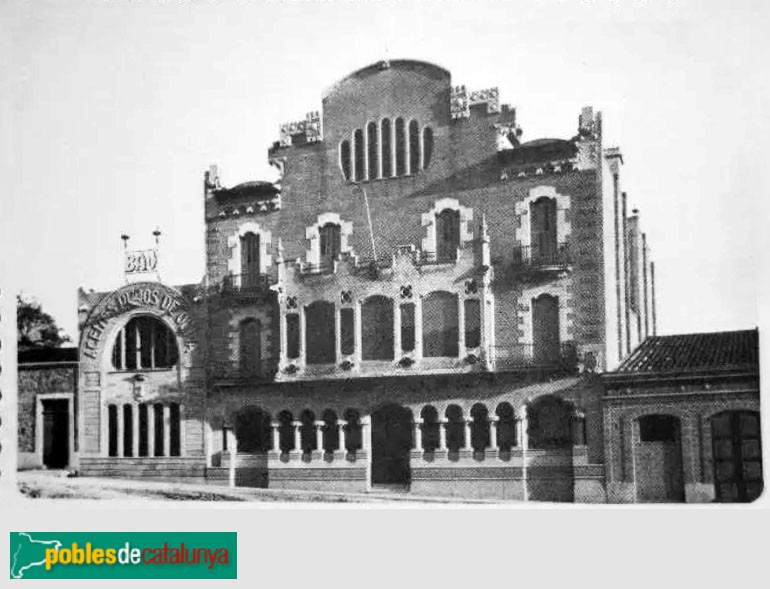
(165, 300)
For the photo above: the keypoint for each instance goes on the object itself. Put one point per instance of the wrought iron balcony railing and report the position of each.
(537, 257)
(246, 283)
(515, 356)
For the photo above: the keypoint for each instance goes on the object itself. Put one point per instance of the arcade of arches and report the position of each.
(394, 433)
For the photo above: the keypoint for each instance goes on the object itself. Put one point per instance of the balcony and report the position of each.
(246, 284)
(539, 259)
(521, 356)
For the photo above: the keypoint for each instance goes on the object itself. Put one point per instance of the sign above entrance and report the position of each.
(137, 264)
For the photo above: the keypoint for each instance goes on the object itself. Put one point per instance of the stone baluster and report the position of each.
(493, 425)
(166, 430)
(135, 428)
(418, 434)
(319, 440)
(276, 451)
(366, 442)
(522, 424)
(296, 452)
(342, 450)
(442, 448)
(120, 430)
(150, 429)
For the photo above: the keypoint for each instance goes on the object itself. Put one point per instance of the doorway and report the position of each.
(658, 469)
(392, 427)
(737, 456)
(56, 447)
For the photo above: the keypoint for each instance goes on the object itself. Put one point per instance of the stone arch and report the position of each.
(377, 321)
(313, 234)
(235, 243)
(480, 436)
(507, 435)
(550, 423)
(252, 430)
(392, 428)
(430, 428)
(440, 324)
(429, 222)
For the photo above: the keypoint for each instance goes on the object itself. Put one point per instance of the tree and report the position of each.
(35, 328)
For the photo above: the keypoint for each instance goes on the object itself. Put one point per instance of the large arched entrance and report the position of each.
(392, 427)
(253, 440)
(737, 456)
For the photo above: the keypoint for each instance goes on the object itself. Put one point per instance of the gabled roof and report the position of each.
(694, 352)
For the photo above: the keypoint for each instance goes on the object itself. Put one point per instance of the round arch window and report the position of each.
(144, 343)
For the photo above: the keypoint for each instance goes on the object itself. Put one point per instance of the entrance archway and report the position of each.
(737, 456)
(658, 469)
(392, 427)
(56, 448)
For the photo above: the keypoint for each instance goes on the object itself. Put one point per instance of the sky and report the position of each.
(114, 110)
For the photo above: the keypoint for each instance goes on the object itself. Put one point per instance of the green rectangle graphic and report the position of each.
(124, 555)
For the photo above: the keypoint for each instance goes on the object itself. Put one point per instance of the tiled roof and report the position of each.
(45, 355)
(693, 352)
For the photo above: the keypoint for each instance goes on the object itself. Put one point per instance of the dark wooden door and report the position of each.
(56, 433)
(737, 453)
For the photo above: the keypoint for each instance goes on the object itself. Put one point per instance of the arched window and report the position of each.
(345, 158)
(472, 323)
(331, 434)
(358, 149)
(128, 430)
(430, 428)
(377, 328)
(112, 428)
(347, 331)
(352, 430)
(307, 431)
(330, 238)
(550, 423)
(387, 150)
(250, 262)
(506, 427)
(440, 325)
(143, 430)
(455, 428)
(427, 147)
(286, 431)
(542, 226)
(159, 429)
(447, 235)
(400, 147)
(545, 330)
(175, 430)
(252, 431)
(373, 151)
(414, 147)
(319, 333)
(407, 327)
(145, 343)
(479, 427)
(292, 336)
(250, 351)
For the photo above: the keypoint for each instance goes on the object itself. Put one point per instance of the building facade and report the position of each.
(422, 302)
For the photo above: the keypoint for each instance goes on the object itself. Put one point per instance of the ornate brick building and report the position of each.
(421, 302)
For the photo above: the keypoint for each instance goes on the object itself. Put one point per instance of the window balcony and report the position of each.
(522, 356)
(539, 259)
(246, 284)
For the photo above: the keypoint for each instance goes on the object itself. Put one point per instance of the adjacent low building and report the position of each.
(681, 420)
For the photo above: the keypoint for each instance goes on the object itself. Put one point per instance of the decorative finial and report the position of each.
(124, 237)
(156, 233)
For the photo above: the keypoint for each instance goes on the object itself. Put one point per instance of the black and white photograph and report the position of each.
(408, 255)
